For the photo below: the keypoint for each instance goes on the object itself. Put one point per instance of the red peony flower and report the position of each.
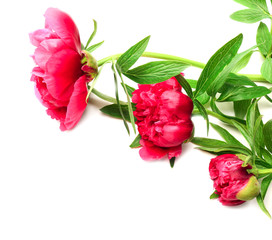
(60, 78)
(232, 182)
(163, 115)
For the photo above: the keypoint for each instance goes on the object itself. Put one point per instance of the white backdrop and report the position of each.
(87, 183)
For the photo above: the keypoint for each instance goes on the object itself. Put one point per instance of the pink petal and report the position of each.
(64, 26)
(57, 113)
(37, 71)
(44, 96)
(62, 71)
(174, 151)
(148, 153)
(39, 35)
(45, 51)
(77, 104)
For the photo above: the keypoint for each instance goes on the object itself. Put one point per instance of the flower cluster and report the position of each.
(164, 102)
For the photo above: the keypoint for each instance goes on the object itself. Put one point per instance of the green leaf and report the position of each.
(117, 98)
(154, 72)
(136, 142)
(224, 74)
(258, 138)
(94, 47)
(192, 83)
(261, 4)
(267, 156)
(130, 110)
(172, 162)
(268, 98)
(202, 112)
(266, 69)
(262, 206)
(239, 80)
(208, 142)
(267, 133)
(265, 184)
(127, 59)
(214, 195)
(217, 110)
(240, 108)
(255, 125)
(130, 89)
(249, 16)
(254, 4)
(242, 63)
(261, 164)
(243, 93)
(263, 39)
(225, 149)
(217, 146)
(113, 111)
(251, 116)
(185, 85)
(203, 98)
(227, 136)
(92, 35)
(217, 63)
(243, 130)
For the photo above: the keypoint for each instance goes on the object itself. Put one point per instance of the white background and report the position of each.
(87, 183)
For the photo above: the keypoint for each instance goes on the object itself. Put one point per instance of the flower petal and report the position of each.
(64, 26)
(149, 152)
(45, 51)
(174, 151)
(39, 35)
(62, 71)
(77, 104)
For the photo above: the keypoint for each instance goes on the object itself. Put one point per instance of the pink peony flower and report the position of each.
(163, 115)
(233, 184)
(60, 77)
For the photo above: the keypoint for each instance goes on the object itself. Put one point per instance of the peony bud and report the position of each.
(233, 184)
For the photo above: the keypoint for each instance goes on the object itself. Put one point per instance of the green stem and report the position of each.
(106, 97)
(158, 56)
(216, 115)
(253, 77)
(264, 171)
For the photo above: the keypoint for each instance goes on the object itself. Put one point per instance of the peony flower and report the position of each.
(163, 115)
(60, 77)
(233, 184)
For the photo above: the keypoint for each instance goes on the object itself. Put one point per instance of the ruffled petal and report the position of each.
(64, 26)
(62, 71)
(39, 35)
(77, 104)
(44, 96)
(45, 51)
(57, 113)
(149, 152)
(174, 151)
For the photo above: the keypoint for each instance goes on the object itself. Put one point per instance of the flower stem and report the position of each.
(158, 56)
(106, 97)
(253, 77)
(264, 171)
(216, 115)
